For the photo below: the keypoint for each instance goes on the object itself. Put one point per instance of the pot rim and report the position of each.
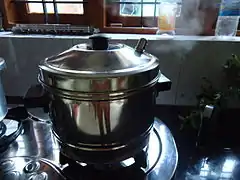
(77, 95)
(105, 147)
(82, 70)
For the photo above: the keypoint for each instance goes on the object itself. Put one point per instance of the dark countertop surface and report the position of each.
(169, 115)
(36, 141)
(222, 163)
(198, 164)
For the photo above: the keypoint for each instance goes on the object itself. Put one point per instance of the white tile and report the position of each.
(23, 56)
(205, 60)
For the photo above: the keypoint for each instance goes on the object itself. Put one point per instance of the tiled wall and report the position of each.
(184, 61)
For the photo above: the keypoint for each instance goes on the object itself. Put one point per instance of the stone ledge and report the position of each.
(127, 37)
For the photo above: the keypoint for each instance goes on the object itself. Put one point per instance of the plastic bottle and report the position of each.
(228, 18)
(168, 11)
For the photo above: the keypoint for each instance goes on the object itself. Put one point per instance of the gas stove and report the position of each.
(34, 153)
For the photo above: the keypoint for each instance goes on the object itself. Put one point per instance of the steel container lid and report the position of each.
(100, 67)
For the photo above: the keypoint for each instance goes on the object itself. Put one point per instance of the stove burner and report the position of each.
(86, 173)
(29, 168)
(106, 155)
(38, 114)
(136, 167)
(39, 141)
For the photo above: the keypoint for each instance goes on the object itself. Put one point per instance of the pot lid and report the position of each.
(100, 60)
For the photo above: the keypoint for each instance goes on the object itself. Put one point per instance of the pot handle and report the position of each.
(208, 111)
(141, 45)
(163, 84)
(36, 96)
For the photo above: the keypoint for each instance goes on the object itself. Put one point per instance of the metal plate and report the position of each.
(10, 129)
(29, 168)
(37, 141)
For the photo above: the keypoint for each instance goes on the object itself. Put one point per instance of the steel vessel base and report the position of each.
(105, 155)
(37, 142)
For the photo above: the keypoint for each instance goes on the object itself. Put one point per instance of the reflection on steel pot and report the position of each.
(3, 103)
(102, 95)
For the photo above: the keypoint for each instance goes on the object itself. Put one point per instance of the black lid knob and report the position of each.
(99, 42)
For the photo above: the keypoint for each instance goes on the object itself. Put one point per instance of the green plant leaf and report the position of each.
(211, 96)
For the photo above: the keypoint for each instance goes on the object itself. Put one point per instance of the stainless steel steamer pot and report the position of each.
(102, 95)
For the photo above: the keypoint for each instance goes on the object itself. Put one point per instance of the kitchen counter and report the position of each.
(193, 164)
(199, 164)
(36, 141)
(169, 115)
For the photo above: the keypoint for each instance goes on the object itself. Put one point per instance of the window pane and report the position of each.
(130, 9)
(148, 9)
(38, 7)
(35, 7)
(70, 8)
(50, 8)
(62, 8)
(135, 9)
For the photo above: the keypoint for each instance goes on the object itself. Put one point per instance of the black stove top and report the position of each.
(35, 155)
(36, 148)
(137, 167)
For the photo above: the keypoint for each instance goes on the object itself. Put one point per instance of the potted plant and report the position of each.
(215, 117)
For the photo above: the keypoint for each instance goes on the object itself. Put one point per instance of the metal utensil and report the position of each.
(3, 103)
(102, 95)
